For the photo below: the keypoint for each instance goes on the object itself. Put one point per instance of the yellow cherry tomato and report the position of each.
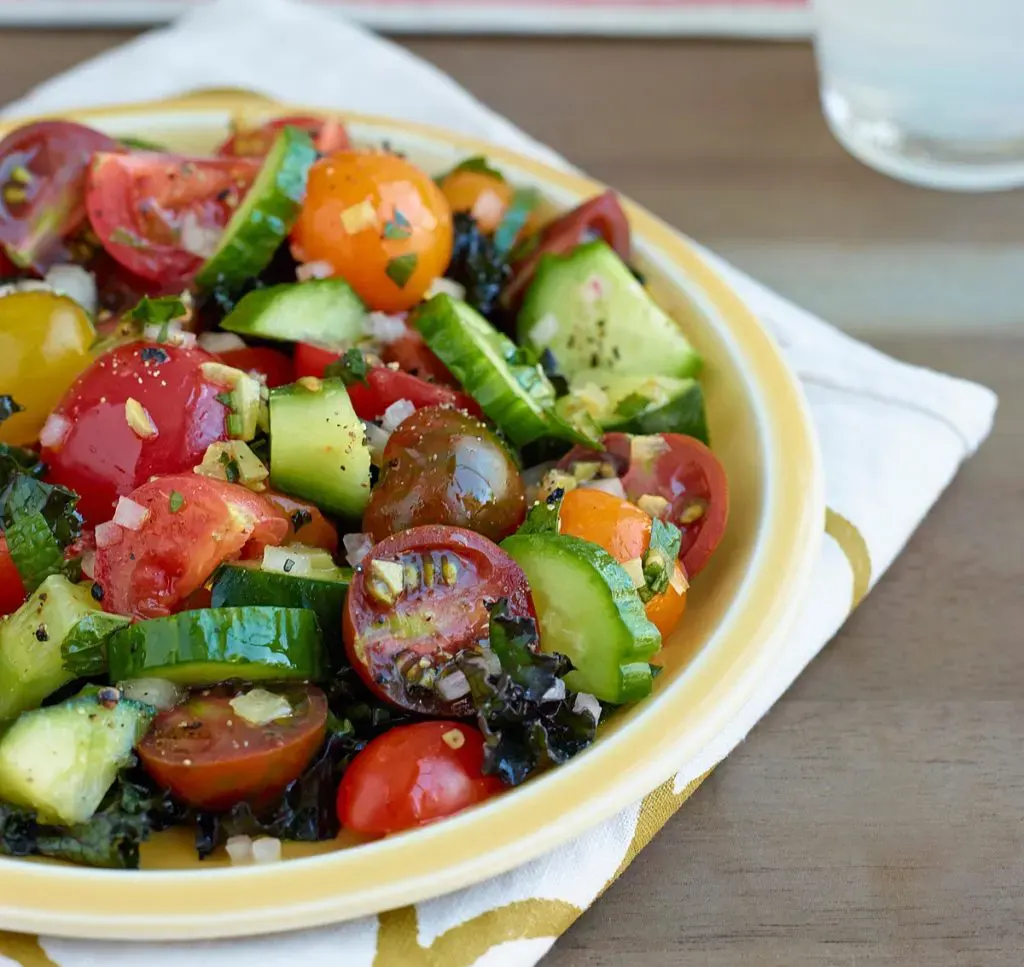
(381, 224)
(44, 345)
(486, 197)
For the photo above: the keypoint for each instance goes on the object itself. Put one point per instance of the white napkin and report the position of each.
(870, 412)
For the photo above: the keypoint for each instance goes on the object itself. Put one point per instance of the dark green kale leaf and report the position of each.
(478, 265)
(523, 709)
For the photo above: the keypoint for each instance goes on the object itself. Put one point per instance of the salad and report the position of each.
(332, 494)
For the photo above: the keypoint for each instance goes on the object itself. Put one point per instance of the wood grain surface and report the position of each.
(876, 816)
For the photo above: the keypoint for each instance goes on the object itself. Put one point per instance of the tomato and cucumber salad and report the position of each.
(334, 493)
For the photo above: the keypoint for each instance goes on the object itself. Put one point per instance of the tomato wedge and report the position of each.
(12, 591)
(602, 217)
(191, 524)
(412, 775)
(274, 366)
(160, 214)
(210, 757)
(683, 471)
(399, 642)
(42, 187)
(328, 136)
(307, 524)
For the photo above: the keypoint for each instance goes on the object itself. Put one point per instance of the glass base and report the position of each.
(950, 165)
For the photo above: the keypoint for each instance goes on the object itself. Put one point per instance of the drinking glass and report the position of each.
(928, 91)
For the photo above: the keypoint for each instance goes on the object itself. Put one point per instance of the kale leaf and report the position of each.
(478, 265)
(525, 713)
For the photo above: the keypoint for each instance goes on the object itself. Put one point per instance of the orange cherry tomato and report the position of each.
(486, 197)
(624, 531)
(307, 524)
(380, 222)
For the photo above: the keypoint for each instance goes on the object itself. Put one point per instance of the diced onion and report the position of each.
(54, 430)
(646, 449)
(357, 218)
(220, 342)
(239, 850)
(76, 283)
(610, 485)
(108, 534)
(88, 563)
(266, 849)
(158, 692)
(130, 515)
(488, 207)
(678, 580)
(201, 240)
(385, 328)
(443, 286)
(589, 704)
(357, 546)
(396, 413)
(555, 693)
(544, 329)
(376, 440)
(453, 686)
(635, 569)
(314, 270)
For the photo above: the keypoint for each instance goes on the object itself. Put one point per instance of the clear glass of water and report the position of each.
(928, 91)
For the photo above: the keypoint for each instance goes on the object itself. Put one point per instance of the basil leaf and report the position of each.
(350, 367)
(524, 202)
(400, 269)
(398, 227)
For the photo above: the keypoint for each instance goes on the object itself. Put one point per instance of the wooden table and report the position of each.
(875, 816)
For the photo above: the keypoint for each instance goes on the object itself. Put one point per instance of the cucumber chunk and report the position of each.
(512, 391)
(318, 447)
(265, 217)
(61, 760)
(326, 312)
(255, 644)
(596, 318)
(59, 618)
(589, 611)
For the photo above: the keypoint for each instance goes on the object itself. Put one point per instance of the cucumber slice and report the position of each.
(595, 317)
(590, 612)
(511, 391)
(32, 640)
(265, 217)
(326, 312)
(318, 446)
(60, 761)
(255, 644)
(643, 406)
(244, 585)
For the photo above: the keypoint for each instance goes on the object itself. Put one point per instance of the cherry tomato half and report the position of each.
(442, 466)
(307, 525)
(210, 757)
(602, 216)
(388, 633)
(412, 775)
(624, 531)
(12, 591)
(683, 471)
(42, 187)
(145, 206)
(380, 222)
(194, 524)
(102, 456)
(310, 360)
(254, 142)
(274, 366)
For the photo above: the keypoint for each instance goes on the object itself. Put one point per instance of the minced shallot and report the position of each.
(130, 515)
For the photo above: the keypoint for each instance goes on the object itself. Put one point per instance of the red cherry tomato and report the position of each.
(602, 216)
(307, 525)
(139, 203)
(210, 757)
(42, 187)
(12, 591)
(414, 356)
(412, 775)
(103, 457)
(687, 474)
(387, 635)
(328, 135)
(274, 366)
(149, 572)
(310, 360)
(442, 466)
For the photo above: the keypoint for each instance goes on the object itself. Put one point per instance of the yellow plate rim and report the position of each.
(76, 902)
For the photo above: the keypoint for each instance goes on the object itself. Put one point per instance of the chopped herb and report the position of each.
(478, 165)
(524, 202)
(400, 269)
(542, 517)
(176, 502)
(398, 227)
(632, 405)
(300, 518)
(659, 561)
(350, 367)
(8, 407)
(234, 425)
(231, 472)
(158, 312)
